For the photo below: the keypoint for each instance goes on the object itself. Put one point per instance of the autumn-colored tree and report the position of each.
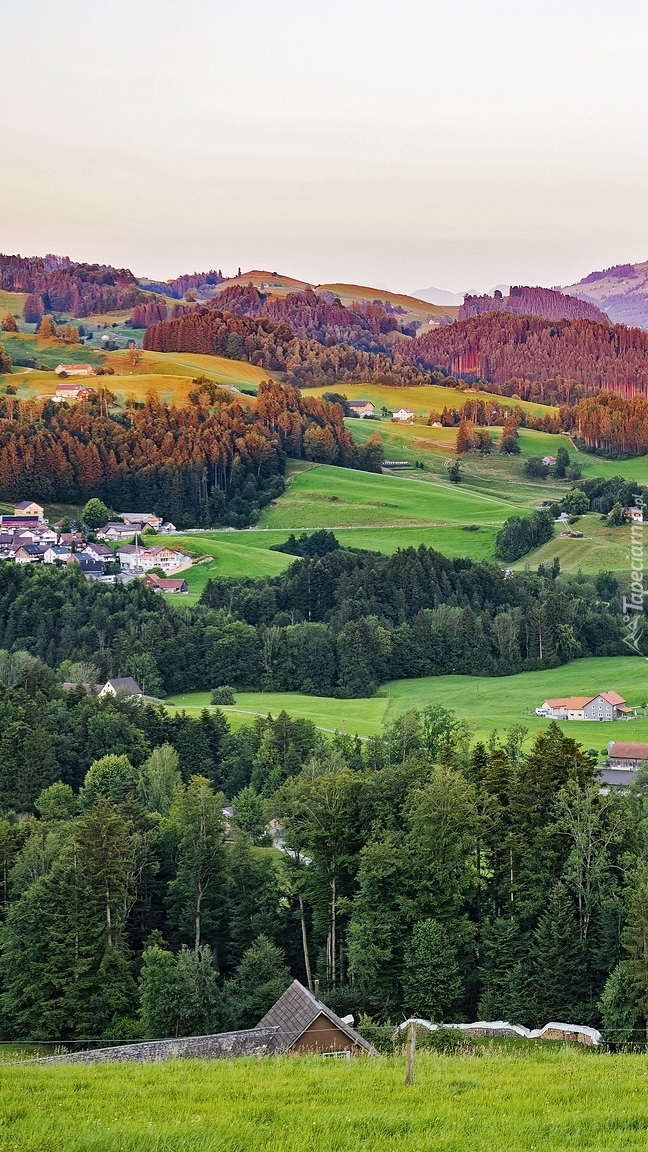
(133, 357)
(47, 328)
(9, 323)
(465, 439)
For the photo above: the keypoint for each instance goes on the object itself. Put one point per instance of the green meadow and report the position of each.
(486, 702)
(550, 1098)
(330, 497)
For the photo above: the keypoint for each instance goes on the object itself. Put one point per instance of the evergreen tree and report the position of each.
(196, 897)
(432, 985)
(179, 995)
(260, 979)
(560, 985)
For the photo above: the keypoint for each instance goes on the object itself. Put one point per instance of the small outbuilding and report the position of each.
(305, 1025)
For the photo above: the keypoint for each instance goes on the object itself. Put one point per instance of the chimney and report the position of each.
(316, 992)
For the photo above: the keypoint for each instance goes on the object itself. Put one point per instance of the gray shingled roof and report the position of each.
(126, 684)
(296, 1010)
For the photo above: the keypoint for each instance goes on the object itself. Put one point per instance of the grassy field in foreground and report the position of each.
(551, 1099)
(487, 702)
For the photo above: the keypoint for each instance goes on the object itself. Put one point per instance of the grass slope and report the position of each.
(423, 400)
(487, 702)
(327, 497)
(514, 1100)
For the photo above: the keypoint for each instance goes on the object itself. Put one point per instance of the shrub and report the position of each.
(223, 695)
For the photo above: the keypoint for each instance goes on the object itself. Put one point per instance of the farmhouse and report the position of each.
(163, 584)
(71, 392)
(124, 684)
(402, 415)
(625, 758)
(634, 514)
(361, 408)
(146, 519)
(606, 706)
(74, 370)
(117, 531)
(548, 461)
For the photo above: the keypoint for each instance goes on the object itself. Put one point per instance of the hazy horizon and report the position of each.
(424, 146)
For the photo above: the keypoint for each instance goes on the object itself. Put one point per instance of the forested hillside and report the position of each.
(320, 316)
(275, 347)
(425, 876)
(191, 465)
(57, 284)
(502, 348)
(526, 301)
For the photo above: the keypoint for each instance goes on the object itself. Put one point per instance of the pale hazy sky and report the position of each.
(404, 144)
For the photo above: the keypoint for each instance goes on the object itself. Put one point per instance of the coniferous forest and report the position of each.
(426, 874)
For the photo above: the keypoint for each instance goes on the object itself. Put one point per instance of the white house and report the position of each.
(124, 684)
(117, 531)
(403, 415)
(548, 460)
(55, 553)
(134, 558)
(634, 514)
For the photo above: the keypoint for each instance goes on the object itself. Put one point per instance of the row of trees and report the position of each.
(426, 875)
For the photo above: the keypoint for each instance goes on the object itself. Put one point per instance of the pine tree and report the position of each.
(560, 986)
(432, 984)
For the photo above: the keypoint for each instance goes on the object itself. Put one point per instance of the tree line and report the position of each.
(274, 346)
(338, 624)
(192, 465)
(615, 424)
(428, 874)
(525, 301)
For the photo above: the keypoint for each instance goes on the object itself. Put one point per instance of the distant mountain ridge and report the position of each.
(620, 291)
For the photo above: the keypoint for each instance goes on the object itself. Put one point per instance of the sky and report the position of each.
(398, 145)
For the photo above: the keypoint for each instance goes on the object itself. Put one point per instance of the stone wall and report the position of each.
(249, 1042)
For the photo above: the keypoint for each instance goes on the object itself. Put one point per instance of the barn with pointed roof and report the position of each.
(304, 1024)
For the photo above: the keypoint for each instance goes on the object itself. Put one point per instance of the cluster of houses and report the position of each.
(27, 538)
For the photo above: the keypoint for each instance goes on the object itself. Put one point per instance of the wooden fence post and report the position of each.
(410, 1051)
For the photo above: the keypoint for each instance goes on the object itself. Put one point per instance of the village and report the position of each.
(27, 538)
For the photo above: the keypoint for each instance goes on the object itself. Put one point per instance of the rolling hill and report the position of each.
(620, 291)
